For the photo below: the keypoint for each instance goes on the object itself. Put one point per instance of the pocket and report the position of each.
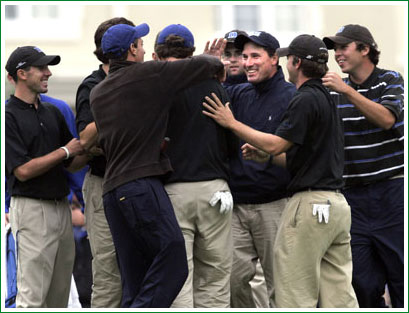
(137, 203)
(293, 212)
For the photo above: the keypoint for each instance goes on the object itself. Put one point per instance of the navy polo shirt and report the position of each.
(32, 133)
(261, 106)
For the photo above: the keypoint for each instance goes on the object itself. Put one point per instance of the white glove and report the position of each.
(226, 201)
(323, 211)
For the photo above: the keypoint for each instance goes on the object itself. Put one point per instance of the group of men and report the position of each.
(185, 198)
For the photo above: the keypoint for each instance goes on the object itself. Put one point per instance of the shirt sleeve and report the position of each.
(82, 105)
(393, 93)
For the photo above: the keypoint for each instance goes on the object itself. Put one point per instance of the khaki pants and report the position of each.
(259, 288)
(312, 261)
(106, 287)
(208, 242)
(45, 251)
(254, 230)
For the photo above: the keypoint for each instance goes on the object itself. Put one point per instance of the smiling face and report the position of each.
(234, 56)
(348, 57)
(258, 65)
(36, 78)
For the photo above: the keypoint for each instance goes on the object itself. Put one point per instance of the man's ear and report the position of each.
(155, 56)
(21, 74)
(133, 49)
(274, 59)
(365, 50)
(298, 64)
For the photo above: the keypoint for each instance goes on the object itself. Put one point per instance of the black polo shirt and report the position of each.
(32, 133)
(199, 148)
(312, 123)
(84, 115)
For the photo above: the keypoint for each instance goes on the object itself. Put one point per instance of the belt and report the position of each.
(320, 189)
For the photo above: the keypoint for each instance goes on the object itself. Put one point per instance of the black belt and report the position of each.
(320, 189)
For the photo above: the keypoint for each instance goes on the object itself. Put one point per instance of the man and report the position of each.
(371, 105)
(259, 190)
(38, 147)
(312, 259)
(199, 152)
(131, 108)
(235, 68)
(106, 288)
(236, 75)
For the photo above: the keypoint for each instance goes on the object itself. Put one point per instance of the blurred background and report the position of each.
(67, 29)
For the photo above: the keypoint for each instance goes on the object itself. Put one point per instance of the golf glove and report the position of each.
(226, 201)
(322, 210)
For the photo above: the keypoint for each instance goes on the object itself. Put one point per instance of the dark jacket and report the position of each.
(260, 106)
(131, 108)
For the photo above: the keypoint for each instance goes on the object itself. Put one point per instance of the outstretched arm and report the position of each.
(223, 115)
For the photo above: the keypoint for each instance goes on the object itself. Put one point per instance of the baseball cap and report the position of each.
(118, 38)
(259, 38)
(177, 30)
(232, 35)
(306, 47)
(349, 33)
(29, 56)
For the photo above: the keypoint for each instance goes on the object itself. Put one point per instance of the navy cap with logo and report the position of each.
(260, 38)
(232, 35)
(26, 56)
(306, 47)
(118, 38)
(177, 30)
(349, 33)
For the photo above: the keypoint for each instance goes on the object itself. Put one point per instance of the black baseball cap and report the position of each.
(349, 33)
(260, 38)
(29, 56)
(306, 47)
(232, 35)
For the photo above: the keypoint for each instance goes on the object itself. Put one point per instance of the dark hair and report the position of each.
(173, 47)
(102, 28)
(14, 75)
(373, 53)
(311, 69)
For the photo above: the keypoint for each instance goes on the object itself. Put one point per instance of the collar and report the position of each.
(101, 72)
(312, 82)
(368, 82)
(23, 105)
(117, 65)
(236, 79)
(266, 85)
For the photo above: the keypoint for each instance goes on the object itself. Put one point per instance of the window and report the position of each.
(50, 22)
(246, 17)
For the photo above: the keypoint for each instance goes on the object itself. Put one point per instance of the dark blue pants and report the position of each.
(377, 241)
(149, 243)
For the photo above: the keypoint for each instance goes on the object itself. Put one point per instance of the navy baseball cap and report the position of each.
(260, 38)
(349, 33)
(29, 56)
(232, 35)
(118, 38)
(306, 47)
(177, 30)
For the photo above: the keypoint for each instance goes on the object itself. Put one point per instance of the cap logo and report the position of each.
(341, 30)
(20, 64)
(232, 35)
(37, 49)
(254, 34)
(309, 57)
